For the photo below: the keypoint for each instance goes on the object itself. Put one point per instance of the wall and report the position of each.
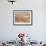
(38, 29)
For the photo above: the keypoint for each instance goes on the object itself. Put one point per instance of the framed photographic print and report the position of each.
(22, 17)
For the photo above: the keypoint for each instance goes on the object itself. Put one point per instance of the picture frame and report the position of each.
(22, 17)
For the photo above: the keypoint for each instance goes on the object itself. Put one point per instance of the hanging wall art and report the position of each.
(22, 17)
